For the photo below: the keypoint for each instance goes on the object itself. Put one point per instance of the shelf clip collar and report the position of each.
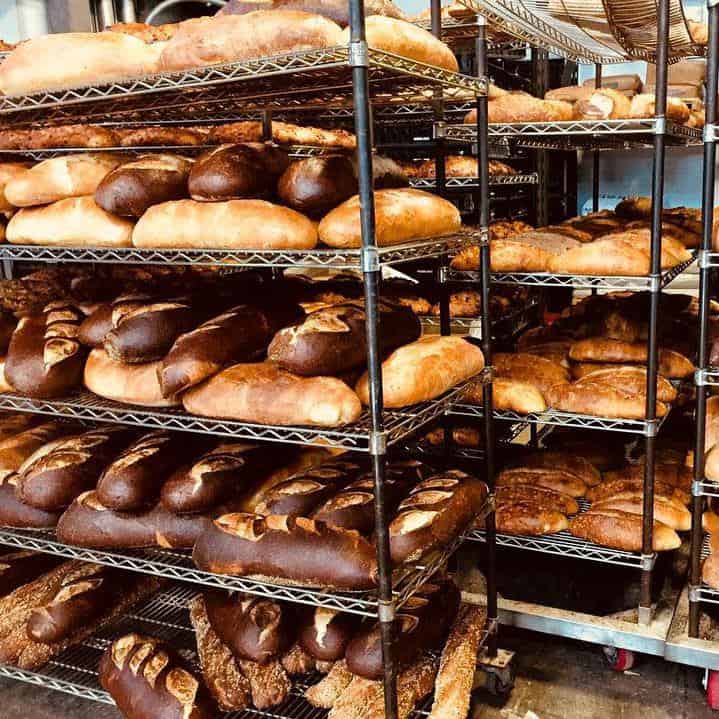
(359, 54)
(647, 562)
(483, 236)
(700, 377)
(440, 130)
(660, 126)
(703, 261)
(652, 428)
(694, 593)
(697, 488)
(369, 259)
(711, 131)
(385, 610)
(378, 443)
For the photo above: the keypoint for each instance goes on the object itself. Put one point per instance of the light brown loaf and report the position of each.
(9, 171)
(630, 379)
(710, 522)
(59, 178)
(63, 60)
(535, 494)
(665, 511)
(266, 394)
(532, 369)
(600, 400)
(131, 384)
(566, 461)
(424, 369)
(74, 222)
(530, 251)
(710, 571)
(401, 215)
(603, 104)
(529, 518)
(230, 38)
(408, 40)
(235, 224)
(621, 530)
(514, 396)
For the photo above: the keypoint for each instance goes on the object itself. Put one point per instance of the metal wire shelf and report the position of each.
(567, 419)
(179, 566)
(279, 81)
(579, 134)
(564, 544)
(167, 618)
(398, 424)
(590, 31)
(599, 282)
(320, 257)
(472, 183)
(706, 488)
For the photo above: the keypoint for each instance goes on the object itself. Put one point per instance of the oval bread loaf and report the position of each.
(231, 225)
(325, 633)
(15, 513)
(8, 172)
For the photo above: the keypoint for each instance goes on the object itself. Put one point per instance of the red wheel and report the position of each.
(619, 660)
(712, 687)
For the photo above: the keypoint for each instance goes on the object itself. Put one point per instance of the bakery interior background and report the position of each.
(622, 174)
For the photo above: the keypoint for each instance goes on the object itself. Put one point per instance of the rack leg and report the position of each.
(371, 274)
(482, 202)
(704, 296)
(645, 603)
(595, 158)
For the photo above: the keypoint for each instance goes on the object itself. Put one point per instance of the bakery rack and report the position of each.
(166, 617)
(355, 81)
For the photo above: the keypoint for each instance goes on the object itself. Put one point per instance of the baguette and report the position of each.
(621, 530)
(328, 690)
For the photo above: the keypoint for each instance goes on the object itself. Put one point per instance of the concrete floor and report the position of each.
(556, 679)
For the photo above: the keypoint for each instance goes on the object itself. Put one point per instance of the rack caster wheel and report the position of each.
(619, 660)
(711, 685)
(495, 674)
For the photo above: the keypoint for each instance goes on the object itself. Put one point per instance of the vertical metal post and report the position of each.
(595, 158)
(645, 603)
(704, 289)
(267, 125)
(540, 74)
(482, 202)
(371, 273)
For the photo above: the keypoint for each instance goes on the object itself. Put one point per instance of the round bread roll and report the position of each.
(75, 222)
(128, 383)
(59, 178)
(236, 224)
(232, 172)
(149, 180)
(401, 215)
(73, 59)
(9, 171)
(406, 39)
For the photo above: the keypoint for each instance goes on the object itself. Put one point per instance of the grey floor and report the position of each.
(557, 679)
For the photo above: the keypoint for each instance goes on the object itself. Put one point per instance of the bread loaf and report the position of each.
(300, 495)
(146, 33)
(628, 378)
(436, 511)
(325, 633)
(14, 424)
(565, 461)
(328, 690)
(233, 172)
(88, 523)
(333, 340)
(238, 335)
(63, 60)
(512, 396)
(8, 172)
(401, 215)
(22, 567)
(45, 359)
(422, 622)
(529, 518)
(133, 187)
(644, 105)
(74, 222)
(133, 480)
(621, 530)
(95, 326)
(424, 369)
(557, 480)
(666, 511)
(530, 368)
(232, 225)
(601, 400)
(298, 549)
(215, 477)
(59, 471)
(155, 136)
(16, 449)
(631, 486)
(148, 679)
(128, 383)
(536, 494)
(59, 178)
(603, 104)
(146, 333)
(265, 394)
(77, 602)
(284, 133)
(14, 513)
(254, 628)
(231, 38)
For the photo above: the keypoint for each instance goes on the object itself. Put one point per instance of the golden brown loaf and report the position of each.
(601, 400)
(266, 394)
(231, 38)
(236, 224)
(521, 107)
(401, 215)
(8, 172)
(666, 511)
(621, 530)
(425, 369)
(604, 104)
(567, 462)
(529, 519)
(537, 495)
(63, 60)
(571, 93)
(59, 178)
(408, 40)
(531, 251)
(74, 222)
(530, 368)
(555, 479)
(710, 521)
(514, 396)
(644, 105)
(710, 571)
(128, 383)
(283, 133)
(630, 379)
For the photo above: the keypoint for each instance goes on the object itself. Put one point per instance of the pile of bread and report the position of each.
(456, 166)
(593, 361)
(242, 509)
(48, 606)
(239, 32)
(245, 196)
(582, 103)
(249, 650)
(537, 495)
(602, 243)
